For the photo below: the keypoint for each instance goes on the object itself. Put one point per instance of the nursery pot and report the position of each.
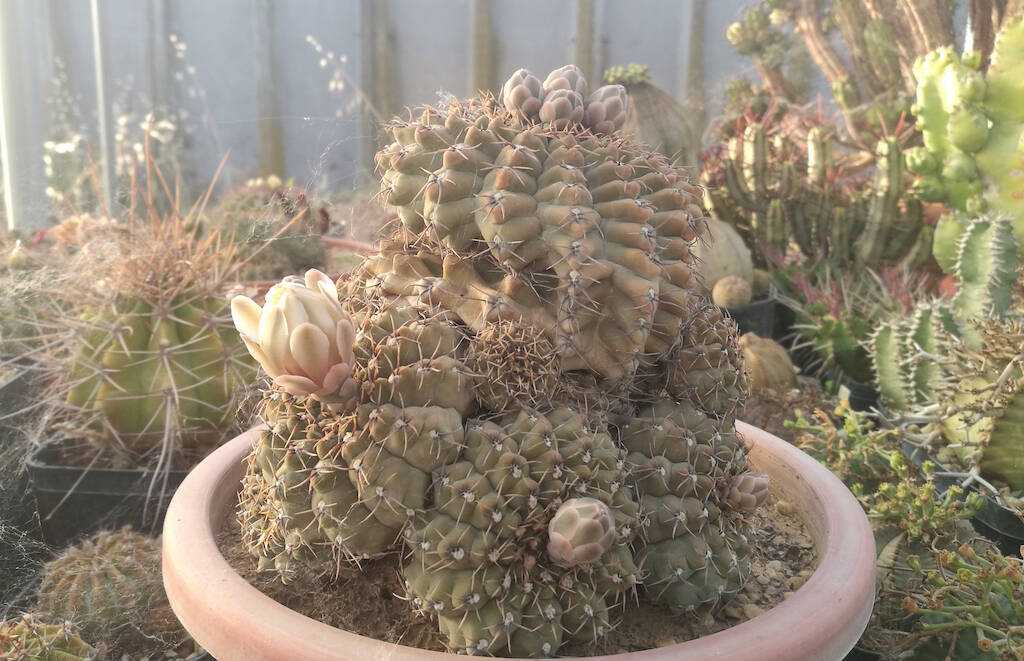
(75, 502)
(757, 317)
(234, 621)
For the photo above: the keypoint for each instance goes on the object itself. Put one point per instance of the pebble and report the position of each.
(763, 579)
(775, 565)
(752, 610)
(708, 620)
(733, 612)
(795, 582)
(665, 642)
(784, 507)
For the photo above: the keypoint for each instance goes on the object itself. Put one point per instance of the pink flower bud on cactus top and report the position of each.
(302, 338)
(606, 109)
(580, 532)
(748, 491)
(523, 94)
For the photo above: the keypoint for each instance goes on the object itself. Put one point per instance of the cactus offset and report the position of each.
(731, 291)
(30, 638)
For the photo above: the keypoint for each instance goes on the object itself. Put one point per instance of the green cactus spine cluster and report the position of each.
(786, 192)
(527, 358)
(30, 638)
(971, 124)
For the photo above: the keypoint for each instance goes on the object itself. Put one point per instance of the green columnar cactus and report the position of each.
(787, 192)
(904, 350)
(153, 360)
(972, 126)
(30, 638)
(465, 395)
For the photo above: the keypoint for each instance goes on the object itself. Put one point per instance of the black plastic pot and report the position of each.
(75, 502)
(757, 317)
(863, 396)
(995, 522)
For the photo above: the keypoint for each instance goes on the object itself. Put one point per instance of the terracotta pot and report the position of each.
(235, 622)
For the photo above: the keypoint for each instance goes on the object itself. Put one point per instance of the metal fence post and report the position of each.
(23, 68)
(104, 113)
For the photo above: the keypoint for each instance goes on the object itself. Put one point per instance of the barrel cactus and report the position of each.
(109, 585)
(148, 358)
(519, 393)
(30, 638)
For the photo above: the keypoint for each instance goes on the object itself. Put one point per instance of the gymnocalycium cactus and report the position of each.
(971, 124)
(534, 407)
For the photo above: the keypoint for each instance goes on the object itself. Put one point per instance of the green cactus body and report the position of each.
(987, 272)
(29, 638)
(478, 560)
(693, 548)
(151, 369)
(973, 126)
(886, 346)
(108, 585)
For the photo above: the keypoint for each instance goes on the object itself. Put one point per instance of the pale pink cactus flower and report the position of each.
(302, 338)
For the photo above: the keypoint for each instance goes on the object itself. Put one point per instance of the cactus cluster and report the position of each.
(971, 125)
(30, 638)
(542, 415)
(787, 191)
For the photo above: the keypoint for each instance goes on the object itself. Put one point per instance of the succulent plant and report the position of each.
(275, 226)
(527, 356)
(109, 585)
(30, 638)
(785, 192)
(908, 351)
(147, 357)
(970, 125)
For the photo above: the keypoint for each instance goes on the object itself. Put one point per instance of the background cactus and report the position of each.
(526, 343)
(908, 352)
(788, 192)
(971, 127)
(146, 357)
(30, 638)
(109, 586)
(275, 226)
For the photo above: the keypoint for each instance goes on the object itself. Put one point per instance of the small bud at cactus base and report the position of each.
(580, 532)
(748, 491)
(302, 338)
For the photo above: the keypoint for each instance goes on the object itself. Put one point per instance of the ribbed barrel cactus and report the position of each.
(148, 357)
(519, 393)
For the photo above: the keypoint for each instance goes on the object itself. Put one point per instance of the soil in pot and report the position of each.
(369, 600)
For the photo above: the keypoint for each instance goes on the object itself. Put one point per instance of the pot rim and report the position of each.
(823, 619)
